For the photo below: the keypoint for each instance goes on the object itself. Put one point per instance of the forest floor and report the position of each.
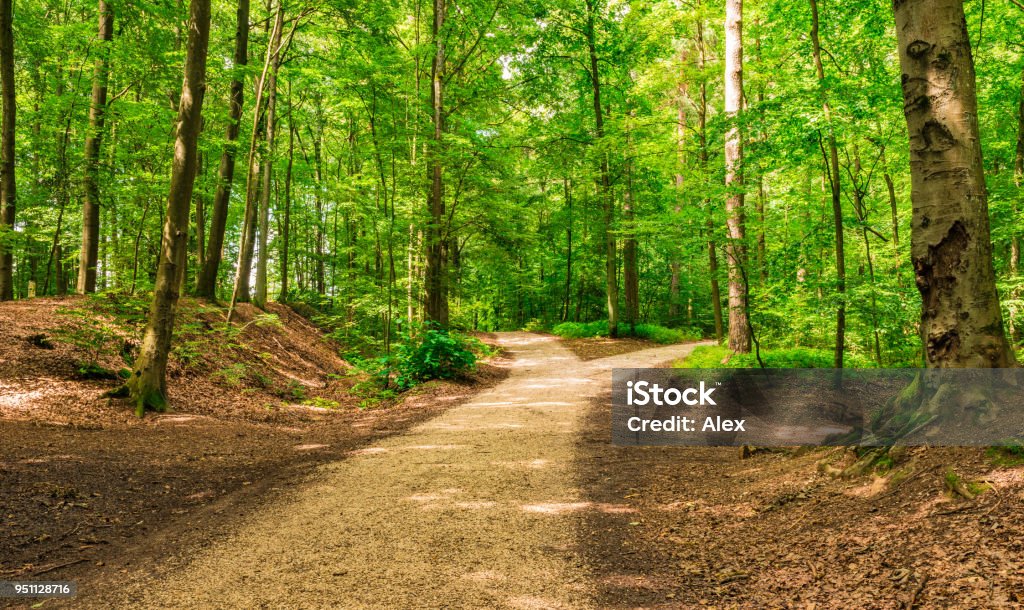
(87, 488)
(513, 497)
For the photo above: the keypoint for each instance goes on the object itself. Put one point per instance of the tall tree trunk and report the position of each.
(735, 250)
(91, 206)
(260, 296)
(951, 244)
(253, 190)
(702, 137)
(436, 277)
(8, 191)
(206, 285)
(286, 229)
(832, 167)
(321, 220)
(631, 274)
(604, 187)
(682, 93)
(200, 214)
(147, 386)
(567, 296)
(1018, 178)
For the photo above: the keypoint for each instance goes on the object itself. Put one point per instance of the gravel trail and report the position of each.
(473, 509)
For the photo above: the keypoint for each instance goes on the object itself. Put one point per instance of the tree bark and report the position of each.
(436, 275)
(8, 190)
(735, 250)
(631, 273)
(91, 207)
(702, 137)
(604, 186)
(832, 167)
(206, 285)
(286, 230)
(147, 386)
(951, 244)
(260, 296)
(567, 296)
(253, 189)
(1018, 178)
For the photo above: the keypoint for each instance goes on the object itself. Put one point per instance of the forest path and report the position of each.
(475, 508)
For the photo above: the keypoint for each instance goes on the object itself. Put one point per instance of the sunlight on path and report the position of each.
(475, 508)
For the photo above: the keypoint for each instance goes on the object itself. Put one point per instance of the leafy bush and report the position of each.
(581, 330)
(651, 332)
(433, 354)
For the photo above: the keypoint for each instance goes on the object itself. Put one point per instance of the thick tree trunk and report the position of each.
(206, 286)
(8, 191)
(260, 296)
(832, 166)
(148, 385)
(735, 250)
(604, 187)
(97, 109)
(436, 275)
(951, 245)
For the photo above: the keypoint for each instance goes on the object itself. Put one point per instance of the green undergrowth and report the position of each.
(426, 354)
(650, 332)
(718, 357)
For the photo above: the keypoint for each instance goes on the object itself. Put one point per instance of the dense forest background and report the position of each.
(501, 164)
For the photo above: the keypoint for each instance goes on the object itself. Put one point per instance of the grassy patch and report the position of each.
(711, 357)
(650, 332)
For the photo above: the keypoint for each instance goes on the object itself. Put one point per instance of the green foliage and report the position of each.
(1009, 453)
(321, 403)
(93, 338)
(711, 357)
(232, 375)
(433, 354)
(650, 332)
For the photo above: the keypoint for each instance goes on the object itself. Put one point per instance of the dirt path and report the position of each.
(474, 508)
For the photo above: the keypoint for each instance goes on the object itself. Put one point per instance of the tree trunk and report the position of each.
(8, 191)
(286, 229)
(702, 136)
(91, 206)
(147, 386)
(951, 245)
(832, 167)
(631, 275)
(253, 190)
(1018, 178)
(604, 186)
(320, 274)
(735, 251)
(260, 296)
(436, 277)
(682, 92)
(206, 286)
(567, 296)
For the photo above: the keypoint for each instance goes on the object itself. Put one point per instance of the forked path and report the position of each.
(475, 508)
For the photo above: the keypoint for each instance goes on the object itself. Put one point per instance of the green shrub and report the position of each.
(433, 354)
(581, 330)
